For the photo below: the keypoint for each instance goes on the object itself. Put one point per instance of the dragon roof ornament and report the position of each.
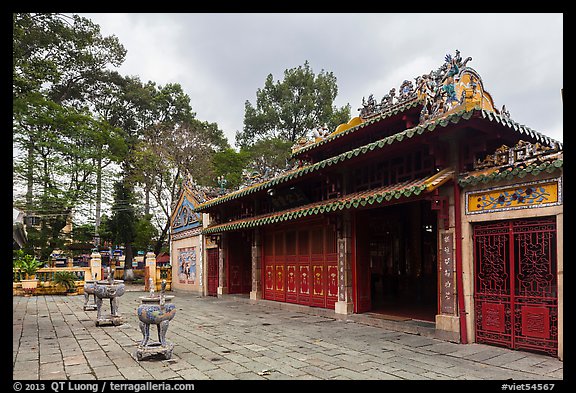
(441, 91)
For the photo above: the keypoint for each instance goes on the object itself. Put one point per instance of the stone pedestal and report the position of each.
(150, 267)
(115, 320)
(343, 307)
(96, 266)
(155, 350)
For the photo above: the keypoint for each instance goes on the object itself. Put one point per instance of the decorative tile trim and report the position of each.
(185, 234)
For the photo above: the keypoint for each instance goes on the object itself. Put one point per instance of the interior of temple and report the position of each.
(397, 260)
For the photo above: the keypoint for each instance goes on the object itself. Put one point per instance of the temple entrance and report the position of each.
(396, 269)
(239, 263)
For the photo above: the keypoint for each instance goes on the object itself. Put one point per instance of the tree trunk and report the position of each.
(98, 201)
(128, 260)
(146, 199)
(158, 246)
(29, 180)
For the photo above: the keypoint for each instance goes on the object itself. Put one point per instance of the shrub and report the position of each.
(65, 278)
(28, 264)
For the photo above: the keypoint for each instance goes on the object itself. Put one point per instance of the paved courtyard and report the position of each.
(233, 338)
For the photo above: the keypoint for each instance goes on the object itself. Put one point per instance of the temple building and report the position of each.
(432, 205)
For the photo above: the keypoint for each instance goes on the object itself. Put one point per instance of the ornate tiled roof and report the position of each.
(376, 196)
(518, 161)
(403, 107)
(429, 126)
(450, 88)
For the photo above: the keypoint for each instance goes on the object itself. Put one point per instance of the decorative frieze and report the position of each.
(186, 234)
(520, 196)
(520, 154)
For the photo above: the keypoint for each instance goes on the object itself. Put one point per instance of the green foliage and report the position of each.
(146, 233)
(288, 109)
(122, 222)
(60, 65)
(83, 233)
(229, 163)
(27, 263)
(66, 279)
(269, 154)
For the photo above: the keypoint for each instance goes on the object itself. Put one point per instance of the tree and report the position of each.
(170, 155)
(288, 109)
(230, 164)
(146, 233)
(56, 61)
(122, 222)
(269, 155)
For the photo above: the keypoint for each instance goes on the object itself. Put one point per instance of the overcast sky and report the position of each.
(222, 59)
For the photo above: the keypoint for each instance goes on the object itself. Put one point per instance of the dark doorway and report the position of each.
(396, 252)
(239, 263)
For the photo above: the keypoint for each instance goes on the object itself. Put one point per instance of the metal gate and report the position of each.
(516, 293)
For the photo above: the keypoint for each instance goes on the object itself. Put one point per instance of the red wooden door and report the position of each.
(516, 299)
(212, 256)
(303, 282)
(300, 266)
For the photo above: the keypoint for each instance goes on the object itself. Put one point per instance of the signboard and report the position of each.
(520, 196)
(446, 273)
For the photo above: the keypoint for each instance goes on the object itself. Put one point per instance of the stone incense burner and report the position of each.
(109, 289)
(156, 310)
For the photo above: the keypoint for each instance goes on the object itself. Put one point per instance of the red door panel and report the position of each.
(291, 285)
(304, 285)
(212, 256)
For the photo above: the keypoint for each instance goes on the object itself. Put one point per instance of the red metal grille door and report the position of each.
(516, 298)
(212, 254)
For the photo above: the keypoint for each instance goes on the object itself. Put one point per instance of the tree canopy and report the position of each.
(88, 139)
(288, 109)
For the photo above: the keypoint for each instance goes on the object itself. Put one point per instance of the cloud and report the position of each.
(221, 60)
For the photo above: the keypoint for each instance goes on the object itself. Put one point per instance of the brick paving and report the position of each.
(231, 338)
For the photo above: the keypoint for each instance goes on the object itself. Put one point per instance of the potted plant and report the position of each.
(66, 279)
(28, 265)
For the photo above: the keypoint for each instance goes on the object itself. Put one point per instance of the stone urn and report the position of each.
(109, 289)
(89, 289)
(155, 309)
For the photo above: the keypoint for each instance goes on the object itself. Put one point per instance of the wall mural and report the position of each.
(187, 265)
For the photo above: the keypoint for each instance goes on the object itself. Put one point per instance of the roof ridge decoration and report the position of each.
(520, 153)
(453, 87)
(450, 88)
(518, 160)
